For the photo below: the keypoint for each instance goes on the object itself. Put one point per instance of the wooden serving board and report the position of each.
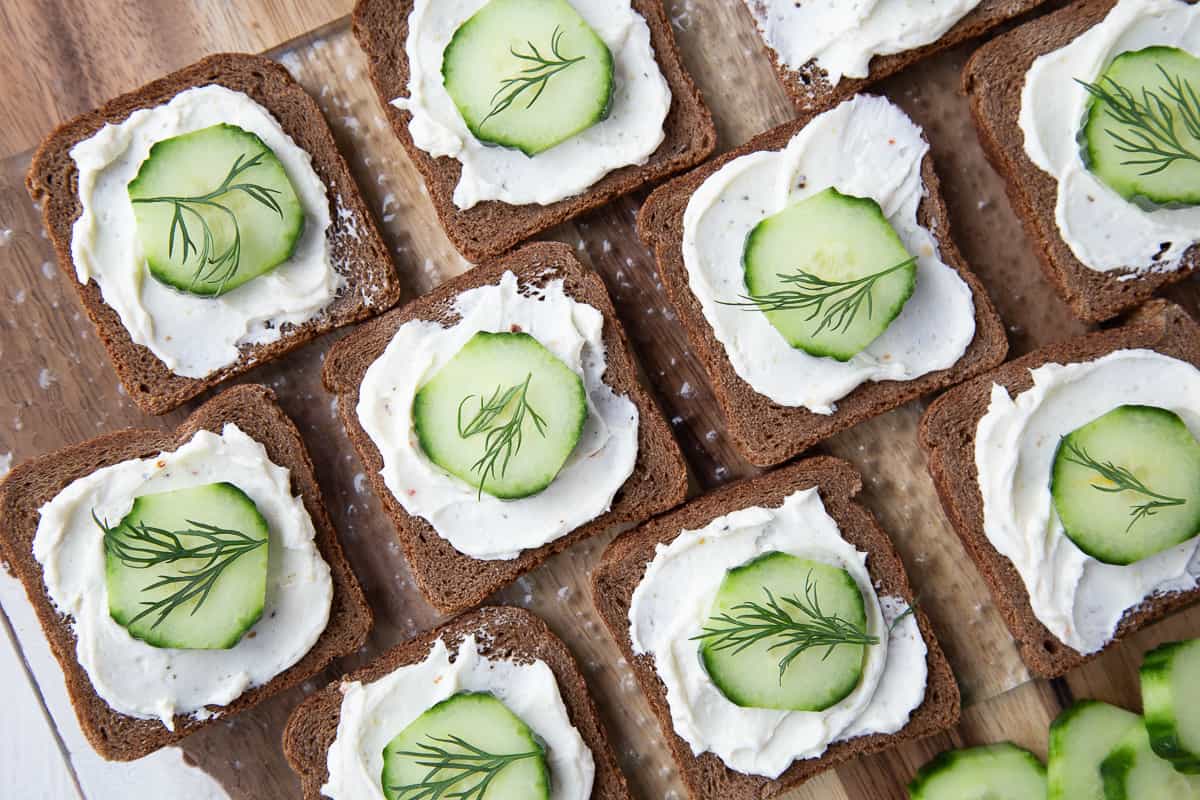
(60, 389)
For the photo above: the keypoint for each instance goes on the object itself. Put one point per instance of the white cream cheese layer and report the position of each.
(485, 527)
(1104, 230)
(373, 714)
(150, 682)
(865, 147)
(844, 35)
(632, 131)
(675, 597)
(194, 336)
(1079, 599)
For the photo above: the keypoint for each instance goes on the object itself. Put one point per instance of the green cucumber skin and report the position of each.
(1114, 770)
(728, 671)
(1063, 781)
(1160, 702)
(476, 29)
(1115, 545)
(1136, 189)
(165, 635)
(443, 718)
(924, 786)
(429, 401)
(154, 232)
(831, 345)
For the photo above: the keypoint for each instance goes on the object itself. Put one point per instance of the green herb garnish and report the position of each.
(751, 623)
(502, 439)
(1151, 122)
(535, 76)
(448, 768)
(142, 546)
(1121, 479)
(836, 303)
(211, 266)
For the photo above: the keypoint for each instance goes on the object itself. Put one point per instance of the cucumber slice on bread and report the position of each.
(1080, 739)
(829, 272)
(187, 569)
(467, 746)
(1131, 771)
(813, 658)
(992, 772)
(503, 414)
(1171, 702)
(214, 209)
(1127, 484)
(528, 74)
(1141, 132)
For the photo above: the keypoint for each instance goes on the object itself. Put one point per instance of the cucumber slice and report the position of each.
(1127, 484)
(1171, 703)
(1080, 739)
(214, 209)
(471, 421)
(992, 772)
(467, 746)
(188, 569)
(1146, 85)
(832, 246)
(755, 676)
(1131, 771)
(528, 74)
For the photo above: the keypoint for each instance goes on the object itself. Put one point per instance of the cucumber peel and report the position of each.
(1131, 771)
(1080, 739)
(1169, 676)
(990, 772)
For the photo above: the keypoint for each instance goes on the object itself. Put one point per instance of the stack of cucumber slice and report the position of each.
(1097, 751)
(829, 272)
(503, 415)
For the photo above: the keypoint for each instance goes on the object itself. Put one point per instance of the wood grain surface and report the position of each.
(59, 387)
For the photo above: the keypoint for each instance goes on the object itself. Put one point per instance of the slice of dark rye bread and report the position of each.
(450, 580)
(30, 485)
(492, 227)
(809, 87)
(993, 80)
(357, 250)
(624, 564)
(766, 432)
(947, 434)
(501, 632)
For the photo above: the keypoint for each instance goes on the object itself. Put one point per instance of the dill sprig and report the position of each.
(213, 267)
(535, 76)
(751, 623)
(1151, 134)
(836, 303)
(450, 769)
(502, 439)
(1121, 479)
(142, 546)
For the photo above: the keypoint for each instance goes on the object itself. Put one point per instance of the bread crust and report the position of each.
(450, 580)
(947, 435)
(30, 485)
(768, 433)
(993, 80)
(502, 632)
(623, 566)
(357, 250)
(492, 227)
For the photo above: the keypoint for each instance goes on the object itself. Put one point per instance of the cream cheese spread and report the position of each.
(865, 147)
(156, 683)
(485, 527)
(630, 133)
(842, 36)
(1079, 599)
(1104, 230)
(194, 336)
(673, 601)
(372, 714)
